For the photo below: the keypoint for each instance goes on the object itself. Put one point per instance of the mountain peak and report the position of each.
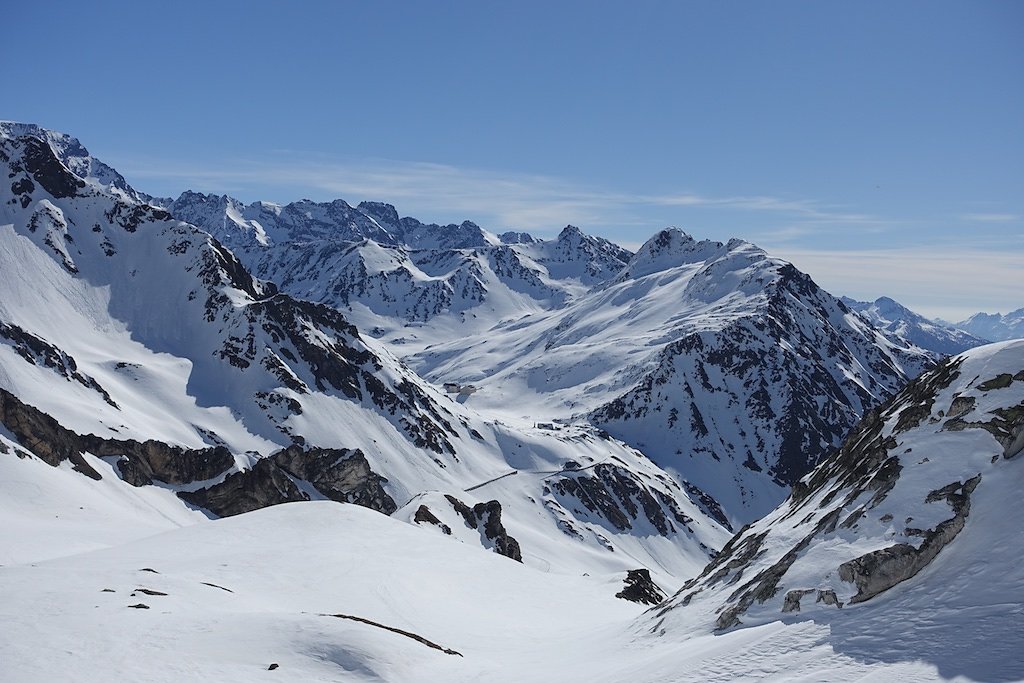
(73, 155)
(570, 232)
(668, 248)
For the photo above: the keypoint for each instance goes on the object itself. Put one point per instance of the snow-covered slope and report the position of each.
(912, 528)
(995, 326)
(324, 592)
(888, 315)
(718, 361)
(128, 334)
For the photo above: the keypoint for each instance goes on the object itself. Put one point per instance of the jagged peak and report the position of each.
(571, 232)
(384, 214)
(73, 154)
(668, 248)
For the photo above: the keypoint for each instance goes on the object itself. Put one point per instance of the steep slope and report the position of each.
(579, 328)
(922, 495)
(726, 365)
(995, 326)
(388, 272)
(888, 315)
(131, 336)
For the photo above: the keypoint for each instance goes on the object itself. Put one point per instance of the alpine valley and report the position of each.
(318, 441)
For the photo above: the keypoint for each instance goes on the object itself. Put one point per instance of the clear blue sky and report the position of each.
(879, 145)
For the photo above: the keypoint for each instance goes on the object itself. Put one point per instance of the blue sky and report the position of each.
(878, 145)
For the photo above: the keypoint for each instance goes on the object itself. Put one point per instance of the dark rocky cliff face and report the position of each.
(139, 464)
(766, 396)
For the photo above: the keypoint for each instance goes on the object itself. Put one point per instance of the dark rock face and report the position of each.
(880, 570)
(486, 518)
(48, 171)
(617, 495)
(42, 434)
(640, 587)
(425, 516)
(141, 463)
(262, 486)
(149, 461)
(342, 475)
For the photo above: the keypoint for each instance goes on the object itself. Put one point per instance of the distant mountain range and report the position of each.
(653, 347)
(897, 319)
(995, 326)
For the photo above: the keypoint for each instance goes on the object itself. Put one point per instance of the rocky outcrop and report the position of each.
(41, 434)
(880, 570)
(341, 474)
(640, 588)
(139, 464)
(486, 518)
(143, 463)
(262, 486)
(423, 515)
(621, 498)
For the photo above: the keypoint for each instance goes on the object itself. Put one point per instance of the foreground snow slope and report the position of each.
(907, 540)
(226, 600)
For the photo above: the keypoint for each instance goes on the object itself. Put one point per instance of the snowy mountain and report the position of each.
(582, 329)
(922, 496)
(888, 315)
(322, 442)
(136, 346)
(319, 591)
(995, 326)
(716, 360)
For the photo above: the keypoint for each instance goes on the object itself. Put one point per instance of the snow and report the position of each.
(549, 332)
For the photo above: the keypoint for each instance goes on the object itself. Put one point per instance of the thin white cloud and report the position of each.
(500, 200)
(991, 217)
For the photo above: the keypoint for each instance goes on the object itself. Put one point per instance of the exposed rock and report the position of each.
(486, 518)
(640, 587)
(264, 485)
(998, 382)
(791, 603)
(880, 570)
(613, 492)
(41, 434)
(425, 516)
(407, 634)
(829, 597)
(141, 463)
(342, 475)
(960, 406)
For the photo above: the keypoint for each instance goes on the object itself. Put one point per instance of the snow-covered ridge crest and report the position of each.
(74, 155)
